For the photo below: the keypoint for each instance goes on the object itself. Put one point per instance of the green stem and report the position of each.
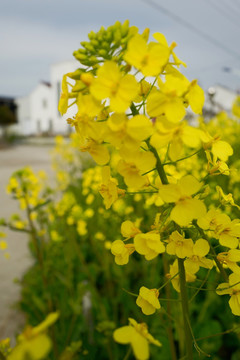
(126, 357)
(218, 334)
(147, 172)
(170, 279)
(164, 180)
(39, 252)
(184, 158)
(169, 311)
(185, 310)
(159, 166)
(201, 286)
(134, 109)
(140, 192)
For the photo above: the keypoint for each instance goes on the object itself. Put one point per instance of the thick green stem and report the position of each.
(159, 166)
(185, 310)
(164, 180)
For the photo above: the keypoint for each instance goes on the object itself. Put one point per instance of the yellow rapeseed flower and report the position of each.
(138, 336)
(219, 148)
(63, 102)
(82, 227)
(200, 250)
(236, 107)
(3, 245)
(186, 208)
(122, 132)
(230, 259)
(112, 84)
(222, 228)
(233, 289)
(148, 300)
(173, 94)
(226, 199)
(176, 135)
(121, 251)
(55, 236)
(98, 151)
(148, 58)
(133, 168)
(178, 245)
(149, 245)
(85, 125)
(109, 189)
(34, 343)
(129, 229)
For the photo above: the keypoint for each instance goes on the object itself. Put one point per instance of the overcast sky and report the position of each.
(38, 33)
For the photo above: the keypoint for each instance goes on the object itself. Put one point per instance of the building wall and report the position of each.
(34, 111)
(40, 108)
(24, 125)
(57, 71)
(38, 113)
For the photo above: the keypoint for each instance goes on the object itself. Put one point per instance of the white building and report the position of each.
(37, 113)
(56, 74)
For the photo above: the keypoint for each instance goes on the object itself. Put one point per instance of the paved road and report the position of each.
(12, 159)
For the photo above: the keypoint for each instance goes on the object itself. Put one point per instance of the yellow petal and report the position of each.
(169, 193)
(234, 281)
(99, 153)
(175, 110)
(222, 150)
(40, 346)
(176, 148)
(146, 307)
(223, 289)
(234, 303)
(140, 347)
(191, 137)
(201, 247)
(185, 249)
(117, 247)
(160, 38)
(150, 296)
(187, 210)
(128, 229)
(50, 319)
(139, 127)
(234, 255)
(189, 185)
(195, 98)
(124, 334)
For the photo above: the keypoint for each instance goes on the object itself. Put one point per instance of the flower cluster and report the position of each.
(132, 104)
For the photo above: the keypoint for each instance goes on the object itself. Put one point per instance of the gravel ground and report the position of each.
(12, 159)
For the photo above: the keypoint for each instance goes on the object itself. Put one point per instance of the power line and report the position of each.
(224, 10)
(188, 25)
